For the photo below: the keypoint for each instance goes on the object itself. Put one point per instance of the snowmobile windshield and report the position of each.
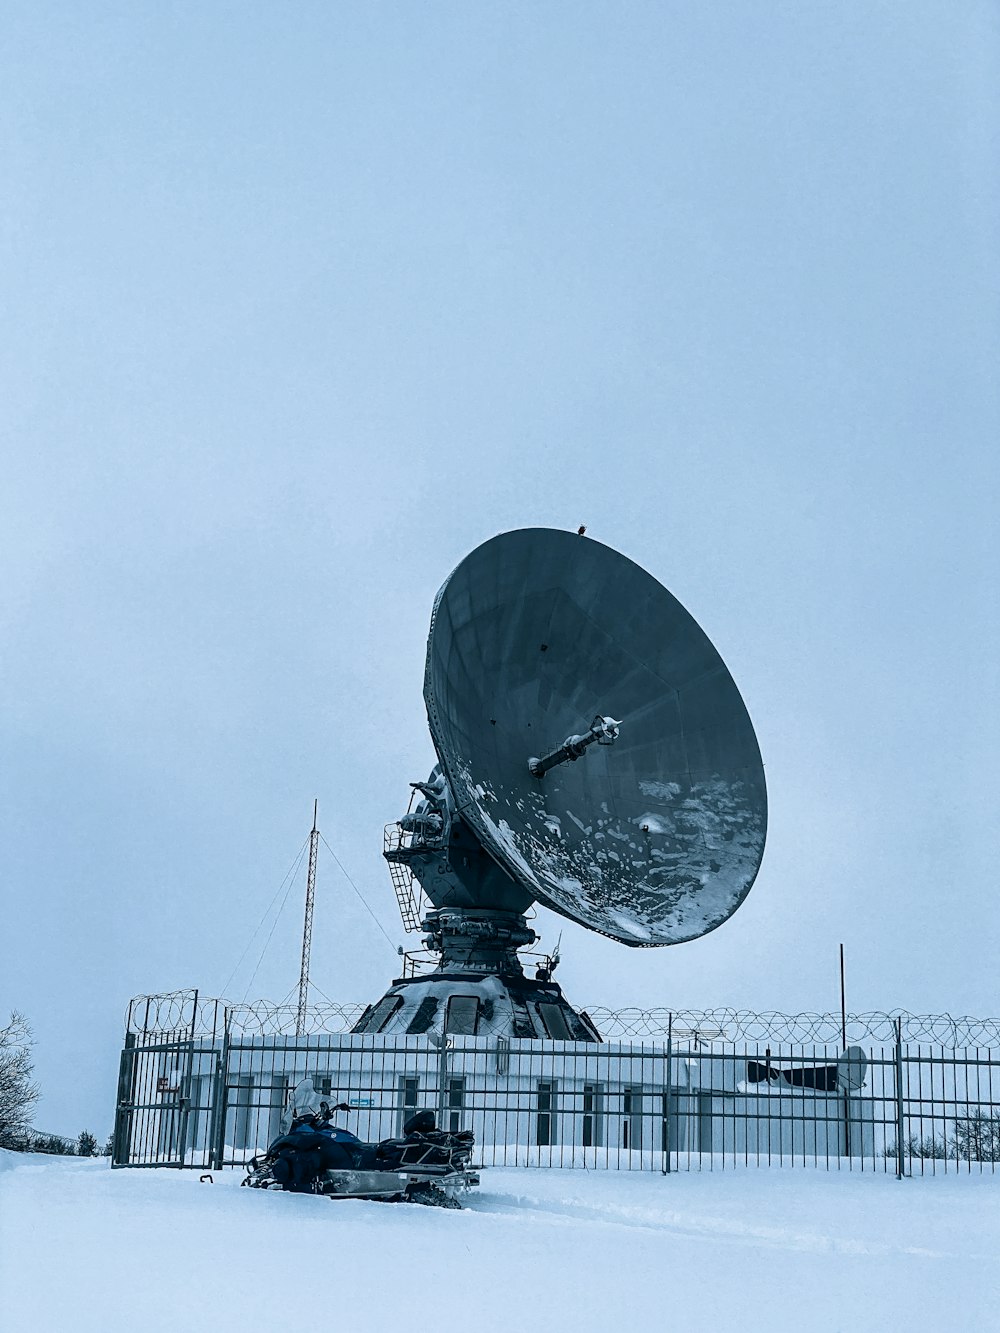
(305, 1100)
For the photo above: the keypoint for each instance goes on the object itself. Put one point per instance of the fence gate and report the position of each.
(154, 1109)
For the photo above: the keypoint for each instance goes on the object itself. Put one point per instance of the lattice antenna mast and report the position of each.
(307, 927)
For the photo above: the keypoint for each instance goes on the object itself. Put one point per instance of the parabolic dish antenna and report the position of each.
(544, 643)
(594, 754)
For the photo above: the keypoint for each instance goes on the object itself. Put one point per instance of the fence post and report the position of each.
(184, 1102)
(667, 1093)
(442, 1043)
(899, 1099)
(121, 1141)
(220, 1100)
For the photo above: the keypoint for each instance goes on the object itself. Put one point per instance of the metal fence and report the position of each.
(205, 1084)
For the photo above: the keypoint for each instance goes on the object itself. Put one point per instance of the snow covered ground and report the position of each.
(85, 1248)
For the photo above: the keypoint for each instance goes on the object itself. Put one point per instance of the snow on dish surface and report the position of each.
(567, 1251)
(658, 878)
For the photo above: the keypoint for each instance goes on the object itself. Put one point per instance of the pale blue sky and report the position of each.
(300, 302)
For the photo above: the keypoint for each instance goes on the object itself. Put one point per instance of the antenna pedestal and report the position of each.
(475, 924)
(477, 939)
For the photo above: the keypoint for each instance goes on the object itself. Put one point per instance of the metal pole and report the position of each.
(184, 1102)
(843, 1047)
(121, 1143)
(443, 1077)
(307, 928)
(899, 1099)
(220, 1100)
(667, 1094)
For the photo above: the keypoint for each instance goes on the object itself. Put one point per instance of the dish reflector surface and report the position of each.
(655, 839)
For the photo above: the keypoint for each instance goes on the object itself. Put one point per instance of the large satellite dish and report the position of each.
(594, 755)
(653, 836)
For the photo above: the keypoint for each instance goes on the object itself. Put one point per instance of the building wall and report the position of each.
(199, 1103)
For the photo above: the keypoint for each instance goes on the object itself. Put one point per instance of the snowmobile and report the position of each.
(313, 1156)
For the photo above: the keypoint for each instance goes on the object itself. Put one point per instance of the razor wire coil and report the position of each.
(187, 1015)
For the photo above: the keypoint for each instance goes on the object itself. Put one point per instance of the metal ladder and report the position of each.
(409, 894)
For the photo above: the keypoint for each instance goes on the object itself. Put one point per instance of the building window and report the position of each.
(424, 1017)
(555, 1022)
(409, 1094)
(241, 1106)
(591, 1129)
(462, 1015)
(632, 1118)
(546, 1120)
(456, 1101)
(377, 1018)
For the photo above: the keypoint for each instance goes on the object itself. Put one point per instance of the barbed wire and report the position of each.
(731, 1025)
(187, 1015)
